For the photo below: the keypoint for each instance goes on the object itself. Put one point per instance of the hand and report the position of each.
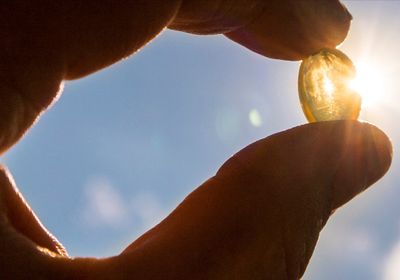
(47, 41)
(260, 216)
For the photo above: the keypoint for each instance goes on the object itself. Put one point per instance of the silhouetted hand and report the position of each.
(260, 216)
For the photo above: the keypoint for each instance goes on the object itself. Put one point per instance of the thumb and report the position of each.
(342, 157)
(310, 171)
(261, 214)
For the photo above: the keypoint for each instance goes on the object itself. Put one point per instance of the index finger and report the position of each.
(284, 29)
(59, 40)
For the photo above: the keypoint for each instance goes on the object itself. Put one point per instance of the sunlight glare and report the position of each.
(369, 83)
(328, 86)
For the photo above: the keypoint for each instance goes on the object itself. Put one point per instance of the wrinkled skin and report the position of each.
(260, 216)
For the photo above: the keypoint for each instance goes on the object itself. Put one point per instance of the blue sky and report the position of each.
(123, 146)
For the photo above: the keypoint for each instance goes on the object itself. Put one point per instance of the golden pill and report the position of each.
(325, 87)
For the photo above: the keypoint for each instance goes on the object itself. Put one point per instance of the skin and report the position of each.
(260, 215)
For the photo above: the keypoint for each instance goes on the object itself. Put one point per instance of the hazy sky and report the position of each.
(123, 146)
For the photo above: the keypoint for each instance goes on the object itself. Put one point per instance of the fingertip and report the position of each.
(379, 151)
(329, 27)
(336, 159)
(293, 30)
(368, 156)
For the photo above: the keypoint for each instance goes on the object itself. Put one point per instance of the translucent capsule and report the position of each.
(325, 87)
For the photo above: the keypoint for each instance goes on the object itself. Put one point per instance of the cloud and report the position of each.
(104, 205)
(391, 266)
(343, 240)
(342, 249)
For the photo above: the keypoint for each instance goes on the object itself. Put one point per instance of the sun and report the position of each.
(369, 83)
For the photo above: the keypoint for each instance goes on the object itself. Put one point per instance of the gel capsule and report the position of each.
(325, 87)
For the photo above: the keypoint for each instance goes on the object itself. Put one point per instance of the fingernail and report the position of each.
(348, 14)
(342, 13)
(339, 12)
(332, 11)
